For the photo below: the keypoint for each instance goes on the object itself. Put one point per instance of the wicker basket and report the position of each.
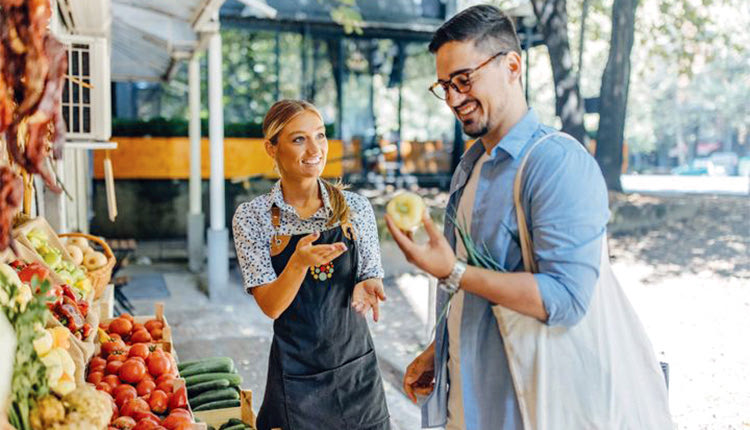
(103, 275)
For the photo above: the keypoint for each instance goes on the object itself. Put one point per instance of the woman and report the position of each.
(309, 254)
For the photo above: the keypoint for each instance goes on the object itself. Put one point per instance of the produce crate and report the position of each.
(217, 417)
(105, 303)
(166, 338)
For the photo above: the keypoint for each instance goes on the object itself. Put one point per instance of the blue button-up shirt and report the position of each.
(565, 200)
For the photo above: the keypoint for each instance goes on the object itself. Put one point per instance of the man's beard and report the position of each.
(475, 132)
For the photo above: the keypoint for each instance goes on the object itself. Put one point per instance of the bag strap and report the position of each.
(524, 236)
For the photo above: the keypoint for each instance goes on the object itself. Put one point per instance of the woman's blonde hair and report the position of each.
(280, 114)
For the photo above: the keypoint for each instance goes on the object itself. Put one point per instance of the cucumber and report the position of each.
(232, 422)
(205, 361)
(221, 404)
(233, 379)
(223, 365)
(201, 387)
(215, 396)
(237, 427)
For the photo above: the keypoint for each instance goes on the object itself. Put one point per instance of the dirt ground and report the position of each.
(688, 275)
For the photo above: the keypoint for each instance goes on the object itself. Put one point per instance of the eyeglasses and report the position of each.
(459, 81)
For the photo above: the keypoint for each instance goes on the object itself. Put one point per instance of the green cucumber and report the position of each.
(215, 396)
(201, 387)
(233, 379)
(237, 427)
(232, 422)
(219, 365)
(221, 404)
(185, 364)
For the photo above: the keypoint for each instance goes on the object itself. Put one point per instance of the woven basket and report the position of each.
(102, 276)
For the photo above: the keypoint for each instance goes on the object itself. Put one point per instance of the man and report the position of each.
(479, 70)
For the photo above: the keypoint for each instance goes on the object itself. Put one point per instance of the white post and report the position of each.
(195, 217)
(218, 236)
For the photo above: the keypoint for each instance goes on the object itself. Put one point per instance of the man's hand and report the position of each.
(367, 295)
(419, 379)
(434, 257)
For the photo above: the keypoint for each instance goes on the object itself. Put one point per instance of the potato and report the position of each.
(75, 253)
(94, 260)
(406, 210)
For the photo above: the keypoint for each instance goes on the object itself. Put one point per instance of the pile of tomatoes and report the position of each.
(140, 377)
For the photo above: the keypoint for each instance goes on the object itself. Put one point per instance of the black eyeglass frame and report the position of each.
(464, 73)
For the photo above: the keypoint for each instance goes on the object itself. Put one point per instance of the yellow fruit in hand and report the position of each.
(406, 210)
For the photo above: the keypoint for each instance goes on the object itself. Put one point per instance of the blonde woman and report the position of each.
(310, 256)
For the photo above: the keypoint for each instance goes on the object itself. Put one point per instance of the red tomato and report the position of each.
(140, 336)
(152, 324)
(145, 387)
(120, 326)
(113, 367)
(31, 270)
(147, 416)
(165, 377)
(176, 422)
(112, 346)
(124, 396)
(97, 361)
(117, 356)
(132, 371)
(134, 405)
(156, 334)
(124, 423)
(140, 350)
(158, 401)
(179, 398)
(103, 386)
(158, 365)
(114, 336)
(165, 386)
(124, 388)
(145, 425)
(104, 326)
(112, 380)
(95, 377)
(127, 316)
(181, 411)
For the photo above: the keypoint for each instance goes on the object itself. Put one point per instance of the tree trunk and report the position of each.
(614, 93)
(553, 20)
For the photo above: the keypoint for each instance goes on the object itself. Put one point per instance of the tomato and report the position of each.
(165, 386)
(131, 407)
(124, 388)
(97, 361)
(95, 377)
(123, 396)
(138, 326)
(113, 367)
(132, 371)
(120, 326)
(156, 333)
(113, 346)
(114, 336)
(140, 350)
(146, 425)
(152, 324)
(145, 387)
(181, 411)
(165, 377)
(179, 398)
(140, 336)
(103, 386)
(127, 316)
(124, 423)
(117, 356)
(176, 422)
(158, 365)
(158, 401)
(112, 380)
(104, 326)
(31, 270)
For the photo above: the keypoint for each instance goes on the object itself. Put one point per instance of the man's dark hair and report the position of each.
(486, 25)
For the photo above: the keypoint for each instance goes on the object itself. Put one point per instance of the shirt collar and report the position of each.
(518, 136)
(277, 198)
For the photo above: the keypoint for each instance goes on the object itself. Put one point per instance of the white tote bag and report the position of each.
(601, 373)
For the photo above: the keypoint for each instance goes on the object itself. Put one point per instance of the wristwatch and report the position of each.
(452, 282)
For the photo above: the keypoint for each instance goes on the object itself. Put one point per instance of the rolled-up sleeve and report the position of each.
(368, 246)
(569, 213)
(253, 246)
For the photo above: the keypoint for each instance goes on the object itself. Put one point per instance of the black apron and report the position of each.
(322, 372)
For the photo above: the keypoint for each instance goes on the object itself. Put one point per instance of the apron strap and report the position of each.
(524, 235)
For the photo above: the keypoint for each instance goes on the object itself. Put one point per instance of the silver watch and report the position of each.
(452, 282)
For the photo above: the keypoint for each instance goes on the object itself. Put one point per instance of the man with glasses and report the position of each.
(465, 370)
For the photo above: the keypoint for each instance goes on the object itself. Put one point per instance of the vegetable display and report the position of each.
(212, 383)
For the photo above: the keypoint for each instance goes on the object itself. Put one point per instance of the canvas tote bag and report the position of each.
(601, 373)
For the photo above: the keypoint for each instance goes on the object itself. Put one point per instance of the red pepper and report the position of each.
(17, 264)
(68, 292)
(86, 330)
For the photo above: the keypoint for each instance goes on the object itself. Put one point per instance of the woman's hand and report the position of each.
(308, 255)
(367, 295)
(419, 379)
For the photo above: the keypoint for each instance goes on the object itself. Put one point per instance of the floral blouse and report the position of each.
(253, 230)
